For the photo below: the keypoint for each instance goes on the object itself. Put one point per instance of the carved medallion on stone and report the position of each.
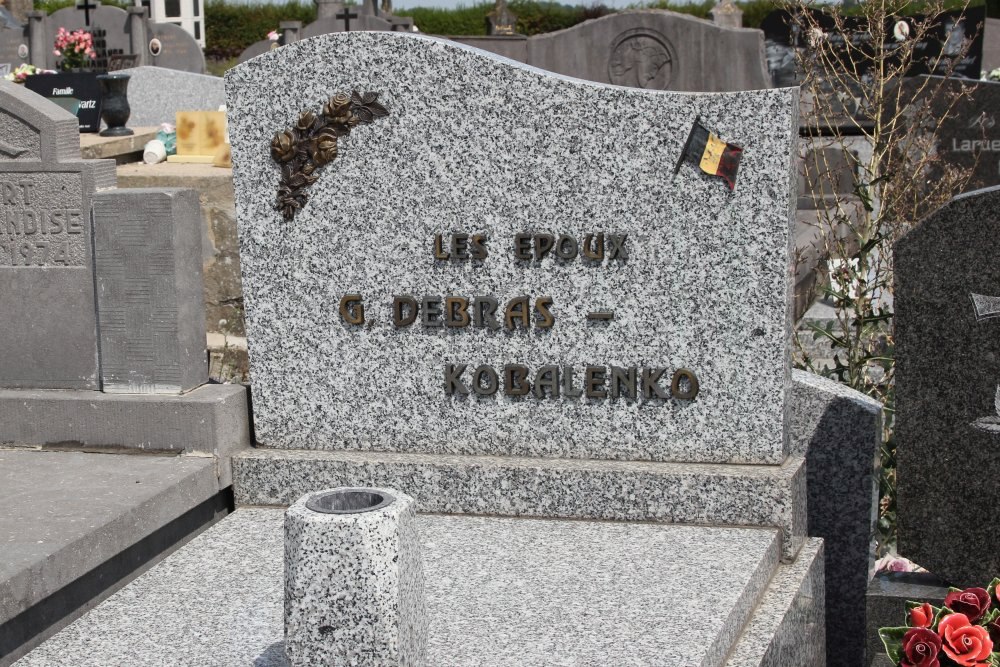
(641, 58)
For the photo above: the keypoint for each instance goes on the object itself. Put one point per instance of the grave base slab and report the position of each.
(210, 420)
(683, 493)
(74, 524)
(499, 591)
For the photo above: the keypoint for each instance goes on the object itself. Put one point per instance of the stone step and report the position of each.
(73, 524)
(499, 591)
(685, 493)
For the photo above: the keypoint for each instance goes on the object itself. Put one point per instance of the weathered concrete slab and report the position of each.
(66, 513)
(564, 591)
(211, 420)
(147, 256)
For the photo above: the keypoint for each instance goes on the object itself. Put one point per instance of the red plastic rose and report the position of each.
(920, 648)
(922, 616)
(973, 602)
(968, 645)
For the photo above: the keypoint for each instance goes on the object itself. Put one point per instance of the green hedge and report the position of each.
(231, 27)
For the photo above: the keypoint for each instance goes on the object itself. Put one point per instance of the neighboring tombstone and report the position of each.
(156, 94)
(45, 250)
(101, 294)
(968, 133)
(937, 53)
(501, 21)
(332, 17)
(653, 49)
(14, 49)
(120, 32)
(947, 372)
(727, 15)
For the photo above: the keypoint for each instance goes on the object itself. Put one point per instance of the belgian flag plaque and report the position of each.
(713, 155)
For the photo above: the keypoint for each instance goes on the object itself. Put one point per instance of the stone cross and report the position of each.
(347, 15)
(86, 6)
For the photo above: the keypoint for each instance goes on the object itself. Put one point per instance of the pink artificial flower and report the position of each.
(57, 52)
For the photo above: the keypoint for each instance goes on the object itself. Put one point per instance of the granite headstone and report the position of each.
(947, 374)
(679, 331)
(156, 94)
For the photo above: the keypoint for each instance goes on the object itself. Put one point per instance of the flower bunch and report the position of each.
(273, 36)
(963, 632)
(75, 48)
(24, 71)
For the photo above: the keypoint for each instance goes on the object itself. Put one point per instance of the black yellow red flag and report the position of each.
(713, 155)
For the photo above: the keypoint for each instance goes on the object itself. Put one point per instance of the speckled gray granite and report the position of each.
(499, 592)
(477, 144)
(839, 431)
(354, 584)
(788, 628)
(156, 94)
(947, 372)
(714, 494)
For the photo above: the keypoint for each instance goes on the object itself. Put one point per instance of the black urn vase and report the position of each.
(114, 108)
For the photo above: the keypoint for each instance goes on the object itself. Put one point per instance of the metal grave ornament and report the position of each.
(312, 143)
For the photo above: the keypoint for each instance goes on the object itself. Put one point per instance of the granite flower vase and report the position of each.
(115, 109)
(354, 591)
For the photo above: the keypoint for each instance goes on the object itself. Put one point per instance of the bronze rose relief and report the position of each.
(312, 143)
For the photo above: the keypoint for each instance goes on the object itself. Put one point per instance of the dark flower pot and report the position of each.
(114, 108)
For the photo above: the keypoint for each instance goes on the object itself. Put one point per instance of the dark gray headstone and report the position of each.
(50, 329)
(968, 131)
(147, 249)
(947, 372)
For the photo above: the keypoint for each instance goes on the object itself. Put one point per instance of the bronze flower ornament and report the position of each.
(312, 143)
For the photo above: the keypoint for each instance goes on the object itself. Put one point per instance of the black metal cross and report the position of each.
(86, 7)
(347, 15)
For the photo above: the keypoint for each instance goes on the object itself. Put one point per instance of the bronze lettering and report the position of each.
(594, 382)
(543, 244)
(484, 309)
(542, 304)
(399, 305)
(439, 251)
(460, 246)
(522, 246)
(492, 381)
(623, 378)
(568, 389)
(352, 310)
(617, 246)
(431, 311)
(547, 377)
(517, 309)
(453, 380)
(682, 377)
(515, 379)
(456, 316)
(477, 246)
(593, 250)
(564, 251)
(650, 377)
